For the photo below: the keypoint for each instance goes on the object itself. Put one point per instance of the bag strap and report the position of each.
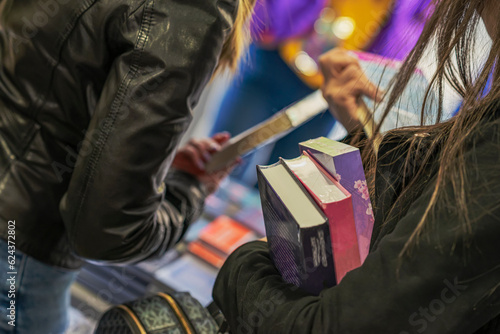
(219, 318)
(179, 312)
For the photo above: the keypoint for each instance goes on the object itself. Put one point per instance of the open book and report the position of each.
(407, 110)
(268, 131)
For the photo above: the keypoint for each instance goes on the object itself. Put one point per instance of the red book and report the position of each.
(336, 203)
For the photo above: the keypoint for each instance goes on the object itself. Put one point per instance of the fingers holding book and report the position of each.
(193, 157)
(344, 83)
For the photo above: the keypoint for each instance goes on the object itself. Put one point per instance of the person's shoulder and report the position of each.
(123, 8)
(482, 159)
(486, 136)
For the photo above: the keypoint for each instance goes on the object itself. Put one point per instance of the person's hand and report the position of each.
(192, 157)
(344, 83)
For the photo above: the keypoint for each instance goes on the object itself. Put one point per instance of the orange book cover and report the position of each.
(207, 254)
(226, 234)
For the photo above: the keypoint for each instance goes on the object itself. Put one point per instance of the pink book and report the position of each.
(343, 162)
(336, 203)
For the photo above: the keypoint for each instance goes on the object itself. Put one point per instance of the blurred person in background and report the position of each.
(433, 265)
(282, 63)
(94, 98)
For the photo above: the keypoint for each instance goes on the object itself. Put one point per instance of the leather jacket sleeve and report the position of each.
(120, 205)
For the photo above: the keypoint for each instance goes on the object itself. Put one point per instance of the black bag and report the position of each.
(174, 313)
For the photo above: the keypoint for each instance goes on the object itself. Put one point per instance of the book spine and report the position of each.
(318, 270)
(343, 237)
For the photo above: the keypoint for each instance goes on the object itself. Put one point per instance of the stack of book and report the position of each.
(317, 213)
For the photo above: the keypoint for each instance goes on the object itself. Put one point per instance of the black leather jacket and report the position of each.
(94, 98)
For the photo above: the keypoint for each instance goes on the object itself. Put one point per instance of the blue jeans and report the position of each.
(42, 297)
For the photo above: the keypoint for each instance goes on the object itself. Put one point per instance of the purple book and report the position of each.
(344, 163)
(297, 230)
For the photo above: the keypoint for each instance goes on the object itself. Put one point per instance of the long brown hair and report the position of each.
(452, 30)
(238, 38)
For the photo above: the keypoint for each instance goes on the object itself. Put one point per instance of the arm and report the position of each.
(117, 207)
(446, 286)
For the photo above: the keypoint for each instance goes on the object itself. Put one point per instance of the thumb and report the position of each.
(221, 137)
